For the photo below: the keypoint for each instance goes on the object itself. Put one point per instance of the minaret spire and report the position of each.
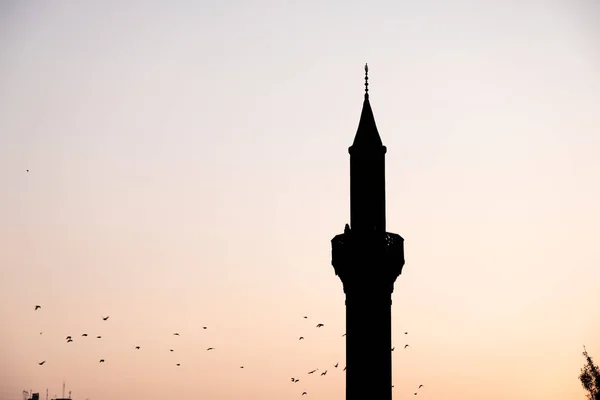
(366, 81)
(367, 135)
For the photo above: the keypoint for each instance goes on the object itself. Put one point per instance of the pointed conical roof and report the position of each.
(367, 134)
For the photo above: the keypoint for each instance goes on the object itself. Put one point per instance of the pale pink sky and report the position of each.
(189, 166)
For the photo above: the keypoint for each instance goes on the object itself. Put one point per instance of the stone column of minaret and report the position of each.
(368, 260)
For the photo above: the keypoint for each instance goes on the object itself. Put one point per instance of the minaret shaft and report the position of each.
(368, 346)
(367, 191)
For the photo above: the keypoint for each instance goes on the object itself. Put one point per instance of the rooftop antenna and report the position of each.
(69, 394)
(46, 393)
(63, 395)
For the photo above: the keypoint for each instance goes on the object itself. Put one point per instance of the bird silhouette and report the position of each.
(176, 334)
(343, 335)
(40, 333)
(344, 369)
(420, 386)
(242, 366)
(37, 307)
(301, 337)
(406, 333)
(105, 318)
(393, 348)
(415, 393)
(303, 393)
(324, 373)
(102, 360)
(204, 327)
(98, 337)
(137, 347)
(336, 365)
(210, 348)
(68, 338)
(320, 325)
(69, 341)
(295, 380)
(405, 346)
(84, 335)
(305, 317)
(313, 371)
(171, 350)
(178, 364)
(42, 363)
(27, 170)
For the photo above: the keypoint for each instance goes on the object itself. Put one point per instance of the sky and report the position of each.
(188, 166)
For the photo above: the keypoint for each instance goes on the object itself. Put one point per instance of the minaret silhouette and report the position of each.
(368, 260)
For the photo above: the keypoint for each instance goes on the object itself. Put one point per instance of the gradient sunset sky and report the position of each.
(188, 166)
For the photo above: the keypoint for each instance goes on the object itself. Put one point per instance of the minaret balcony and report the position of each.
(368, 255)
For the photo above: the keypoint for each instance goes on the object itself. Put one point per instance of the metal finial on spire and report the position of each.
(366, 80)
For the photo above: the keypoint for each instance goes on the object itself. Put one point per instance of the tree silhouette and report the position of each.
(590, 377)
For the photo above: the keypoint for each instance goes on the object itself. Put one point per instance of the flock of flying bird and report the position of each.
(294, 380)
(69, 339)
